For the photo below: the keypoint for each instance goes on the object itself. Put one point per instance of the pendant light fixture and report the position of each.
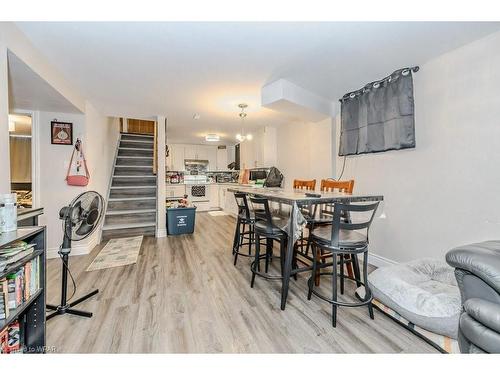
(242, 136)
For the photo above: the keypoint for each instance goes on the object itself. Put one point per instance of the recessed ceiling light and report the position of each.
(196, 116)
(212, 138)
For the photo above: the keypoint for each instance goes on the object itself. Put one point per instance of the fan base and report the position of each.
(67, 309)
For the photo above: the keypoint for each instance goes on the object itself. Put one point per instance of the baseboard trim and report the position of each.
(161, 233)
(380, 261)
(83, 249)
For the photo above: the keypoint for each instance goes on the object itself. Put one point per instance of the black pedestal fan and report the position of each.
(80, 219)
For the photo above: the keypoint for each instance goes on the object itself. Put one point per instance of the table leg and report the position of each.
(288, 258)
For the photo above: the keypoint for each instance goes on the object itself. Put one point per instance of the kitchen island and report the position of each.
(207, 196)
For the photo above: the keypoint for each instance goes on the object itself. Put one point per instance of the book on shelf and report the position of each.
(18, 287)
(4, 299)
(10, 339)
(15, 252)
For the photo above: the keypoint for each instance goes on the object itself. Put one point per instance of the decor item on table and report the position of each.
(61, 133)
(380, 116)
(78, 179)
(477, 269)
(80, 219)
(274, 178)
(244, 176)
(118, 252)
(242, 136)
(8, 212)
(424, 292)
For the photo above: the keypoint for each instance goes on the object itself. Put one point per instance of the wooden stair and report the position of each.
(131, 207)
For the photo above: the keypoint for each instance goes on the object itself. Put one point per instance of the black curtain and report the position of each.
(379, 117)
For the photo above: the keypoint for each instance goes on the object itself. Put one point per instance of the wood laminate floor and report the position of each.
(185, 296)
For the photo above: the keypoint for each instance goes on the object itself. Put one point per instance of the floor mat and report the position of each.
(117, 252)
(217, 213)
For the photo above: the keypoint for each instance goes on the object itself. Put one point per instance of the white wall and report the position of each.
(305, 151)
(4, 121)
(99, 135)
(445, 192)
(54, 160)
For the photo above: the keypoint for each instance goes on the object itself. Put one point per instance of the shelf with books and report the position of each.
(12, 267)
(15, 313)
(22, 291)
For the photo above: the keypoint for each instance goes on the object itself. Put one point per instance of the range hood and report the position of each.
(195, 162)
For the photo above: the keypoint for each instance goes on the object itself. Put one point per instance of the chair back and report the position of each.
(304, 184)
(360, 217)
(262, 212)
(242, 203)
(342, 186)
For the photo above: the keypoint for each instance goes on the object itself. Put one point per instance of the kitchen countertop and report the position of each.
(203, 183)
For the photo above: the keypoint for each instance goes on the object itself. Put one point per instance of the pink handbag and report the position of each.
(78, 179)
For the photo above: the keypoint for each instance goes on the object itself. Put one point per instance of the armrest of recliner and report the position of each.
(480, 259)
(485, 312)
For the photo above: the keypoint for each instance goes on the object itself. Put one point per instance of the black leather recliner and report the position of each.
(477, 269)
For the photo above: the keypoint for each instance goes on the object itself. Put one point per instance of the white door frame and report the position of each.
(35, 152)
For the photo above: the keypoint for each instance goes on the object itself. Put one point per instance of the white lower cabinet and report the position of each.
(176, 191)
(230, 205)
(222, 197)
(213, 195)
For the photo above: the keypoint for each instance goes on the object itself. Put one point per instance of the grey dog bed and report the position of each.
(423, 291)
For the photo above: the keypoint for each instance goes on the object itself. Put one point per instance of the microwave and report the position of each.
(258, 174)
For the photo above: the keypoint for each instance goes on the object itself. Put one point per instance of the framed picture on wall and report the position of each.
(61, 133)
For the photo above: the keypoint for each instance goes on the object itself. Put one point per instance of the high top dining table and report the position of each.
(296, 198)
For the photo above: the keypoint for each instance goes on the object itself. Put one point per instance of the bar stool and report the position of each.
(337, 240)
(269, 228)
(325, 218)
(304, 184)
(243, 219)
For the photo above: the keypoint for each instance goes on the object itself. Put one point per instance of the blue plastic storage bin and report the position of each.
(180, 220)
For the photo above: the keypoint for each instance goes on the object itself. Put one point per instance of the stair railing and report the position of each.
(155, 149)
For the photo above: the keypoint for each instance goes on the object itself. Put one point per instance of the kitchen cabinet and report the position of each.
(176, 191)
(214, 196)
(202, 152)
(230, 205)
(179, 152)
(175, 159)
(222, 159)
(212, 158)
(197, 152)
(222, 197)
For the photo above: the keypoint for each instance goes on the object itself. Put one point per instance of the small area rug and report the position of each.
(117, 252)
(217, 213)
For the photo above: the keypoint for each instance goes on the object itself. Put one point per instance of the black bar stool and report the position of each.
(340, 239)
(269, 228)
(244, 219)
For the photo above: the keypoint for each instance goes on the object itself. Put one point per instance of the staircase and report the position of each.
(131, 207)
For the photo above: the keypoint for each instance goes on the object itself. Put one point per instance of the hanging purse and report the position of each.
(78, 179)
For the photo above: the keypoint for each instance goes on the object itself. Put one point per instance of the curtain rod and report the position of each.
(375, 84)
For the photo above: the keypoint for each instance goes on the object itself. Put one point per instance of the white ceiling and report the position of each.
(27, 90)
(178, 69)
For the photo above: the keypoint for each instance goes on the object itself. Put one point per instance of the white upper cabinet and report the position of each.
(202, 152)
(212, 158)
(179, 152)
(222, 159)
(175, 159)
(190, 152)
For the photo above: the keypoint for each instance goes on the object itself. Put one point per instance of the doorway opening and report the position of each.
(21, 171)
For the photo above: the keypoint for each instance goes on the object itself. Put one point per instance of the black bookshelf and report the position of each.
(30, 314)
